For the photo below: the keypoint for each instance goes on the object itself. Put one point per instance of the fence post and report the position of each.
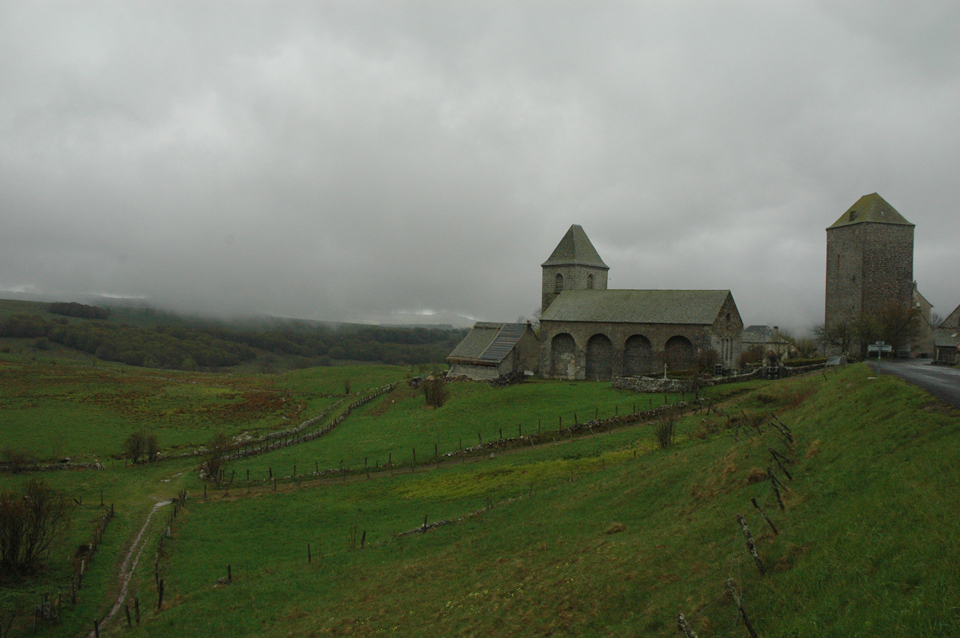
(732, 588)
(751, 547)
(764, 514)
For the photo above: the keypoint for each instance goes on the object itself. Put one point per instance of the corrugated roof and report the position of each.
(871, 209)
(699, 307)
(575, 249)
(489, 342)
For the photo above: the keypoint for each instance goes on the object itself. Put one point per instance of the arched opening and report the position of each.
(558, 287)
(637, 356)
(589, 282)
(563, 357)
(678, 353)
(599, 358)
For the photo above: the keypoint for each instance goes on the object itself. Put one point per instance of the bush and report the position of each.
(140, 444)
(216, 454)
(30, 521)
(17, 461)
(664, 429)
(435, 391)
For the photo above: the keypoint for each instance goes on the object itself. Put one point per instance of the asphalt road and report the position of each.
(942, 382)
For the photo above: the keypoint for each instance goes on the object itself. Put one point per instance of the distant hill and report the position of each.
(144, 336)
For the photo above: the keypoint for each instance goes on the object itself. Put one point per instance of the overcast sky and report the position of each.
(362, 160)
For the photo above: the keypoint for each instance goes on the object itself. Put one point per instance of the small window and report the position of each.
(853, 215)
(728, 316)
(589, 282)
(559, 285)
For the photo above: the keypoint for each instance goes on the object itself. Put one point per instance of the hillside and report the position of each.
(155, 339)
(593, 530)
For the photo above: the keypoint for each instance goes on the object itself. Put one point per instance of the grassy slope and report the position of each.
(868, 543)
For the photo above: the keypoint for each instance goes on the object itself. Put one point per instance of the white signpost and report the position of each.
(880, 348)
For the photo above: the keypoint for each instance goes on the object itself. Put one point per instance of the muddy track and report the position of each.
(127, 568)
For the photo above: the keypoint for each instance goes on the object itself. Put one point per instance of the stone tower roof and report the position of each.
(575, 249)
(871, 209)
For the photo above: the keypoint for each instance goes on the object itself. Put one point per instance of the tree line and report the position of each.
(216, 345)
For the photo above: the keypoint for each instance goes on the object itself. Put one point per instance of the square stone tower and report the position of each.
(574, 265)
(869, 260)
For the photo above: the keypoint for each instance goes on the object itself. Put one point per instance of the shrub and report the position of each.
(216, 454)
(140, 444)
(435, 391)
(664, 429)
(16, 460)
(30, 521)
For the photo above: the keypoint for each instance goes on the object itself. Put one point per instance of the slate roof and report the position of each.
(697, 307)
(757, 334)
(489, 342)
(871, 209)
(575, 249)
(946, 337)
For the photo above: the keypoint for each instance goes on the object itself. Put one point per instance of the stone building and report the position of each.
(869, 262)
(947, 339)
(492, 350)
(589, 332)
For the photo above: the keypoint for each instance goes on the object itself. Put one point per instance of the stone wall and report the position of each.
(574, 278)
(574, 364)
(869, 266)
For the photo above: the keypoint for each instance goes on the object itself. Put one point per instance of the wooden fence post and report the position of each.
(751, 547)
(129, 620)
(160, 595)
(764, 514)
(684, 628)
(136, 609)
(773, 482)
(732, 588)
(309, 556)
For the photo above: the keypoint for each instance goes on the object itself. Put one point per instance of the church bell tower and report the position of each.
(573, 265)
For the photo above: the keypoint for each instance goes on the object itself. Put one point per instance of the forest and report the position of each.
(211, 345)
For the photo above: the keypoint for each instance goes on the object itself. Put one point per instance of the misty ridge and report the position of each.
(154, 339)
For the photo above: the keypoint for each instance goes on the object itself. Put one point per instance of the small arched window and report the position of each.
(559, 285)
(589, 282)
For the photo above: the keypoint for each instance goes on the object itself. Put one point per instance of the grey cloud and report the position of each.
(350, 160)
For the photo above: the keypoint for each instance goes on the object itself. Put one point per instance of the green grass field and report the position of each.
(600, 534)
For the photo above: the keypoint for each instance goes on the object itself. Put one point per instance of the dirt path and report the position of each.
(127, 569)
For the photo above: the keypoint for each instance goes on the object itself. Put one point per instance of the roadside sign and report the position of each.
(958, 347)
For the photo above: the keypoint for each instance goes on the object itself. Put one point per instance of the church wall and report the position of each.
(575, 364)
(574, 278)
(726, 335)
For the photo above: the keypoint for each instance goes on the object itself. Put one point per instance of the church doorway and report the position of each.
(563, 357)
(599, 358)
(637, 356)
(678, 353)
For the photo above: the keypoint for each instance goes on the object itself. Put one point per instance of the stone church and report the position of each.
(870, 266)
(590, 332)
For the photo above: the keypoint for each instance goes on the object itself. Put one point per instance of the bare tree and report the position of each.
(216, 453)
(30, 521)
(140, 444)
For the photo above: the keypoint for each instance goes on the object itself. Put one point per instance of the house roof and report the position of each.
(946, 337)
(870, 209)
(699, 307)
(489, 342)
(953, 319)
(575, 249)
(757, 334)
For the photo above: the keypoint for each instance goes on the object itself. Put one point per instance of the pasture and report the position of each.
(600, 532)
